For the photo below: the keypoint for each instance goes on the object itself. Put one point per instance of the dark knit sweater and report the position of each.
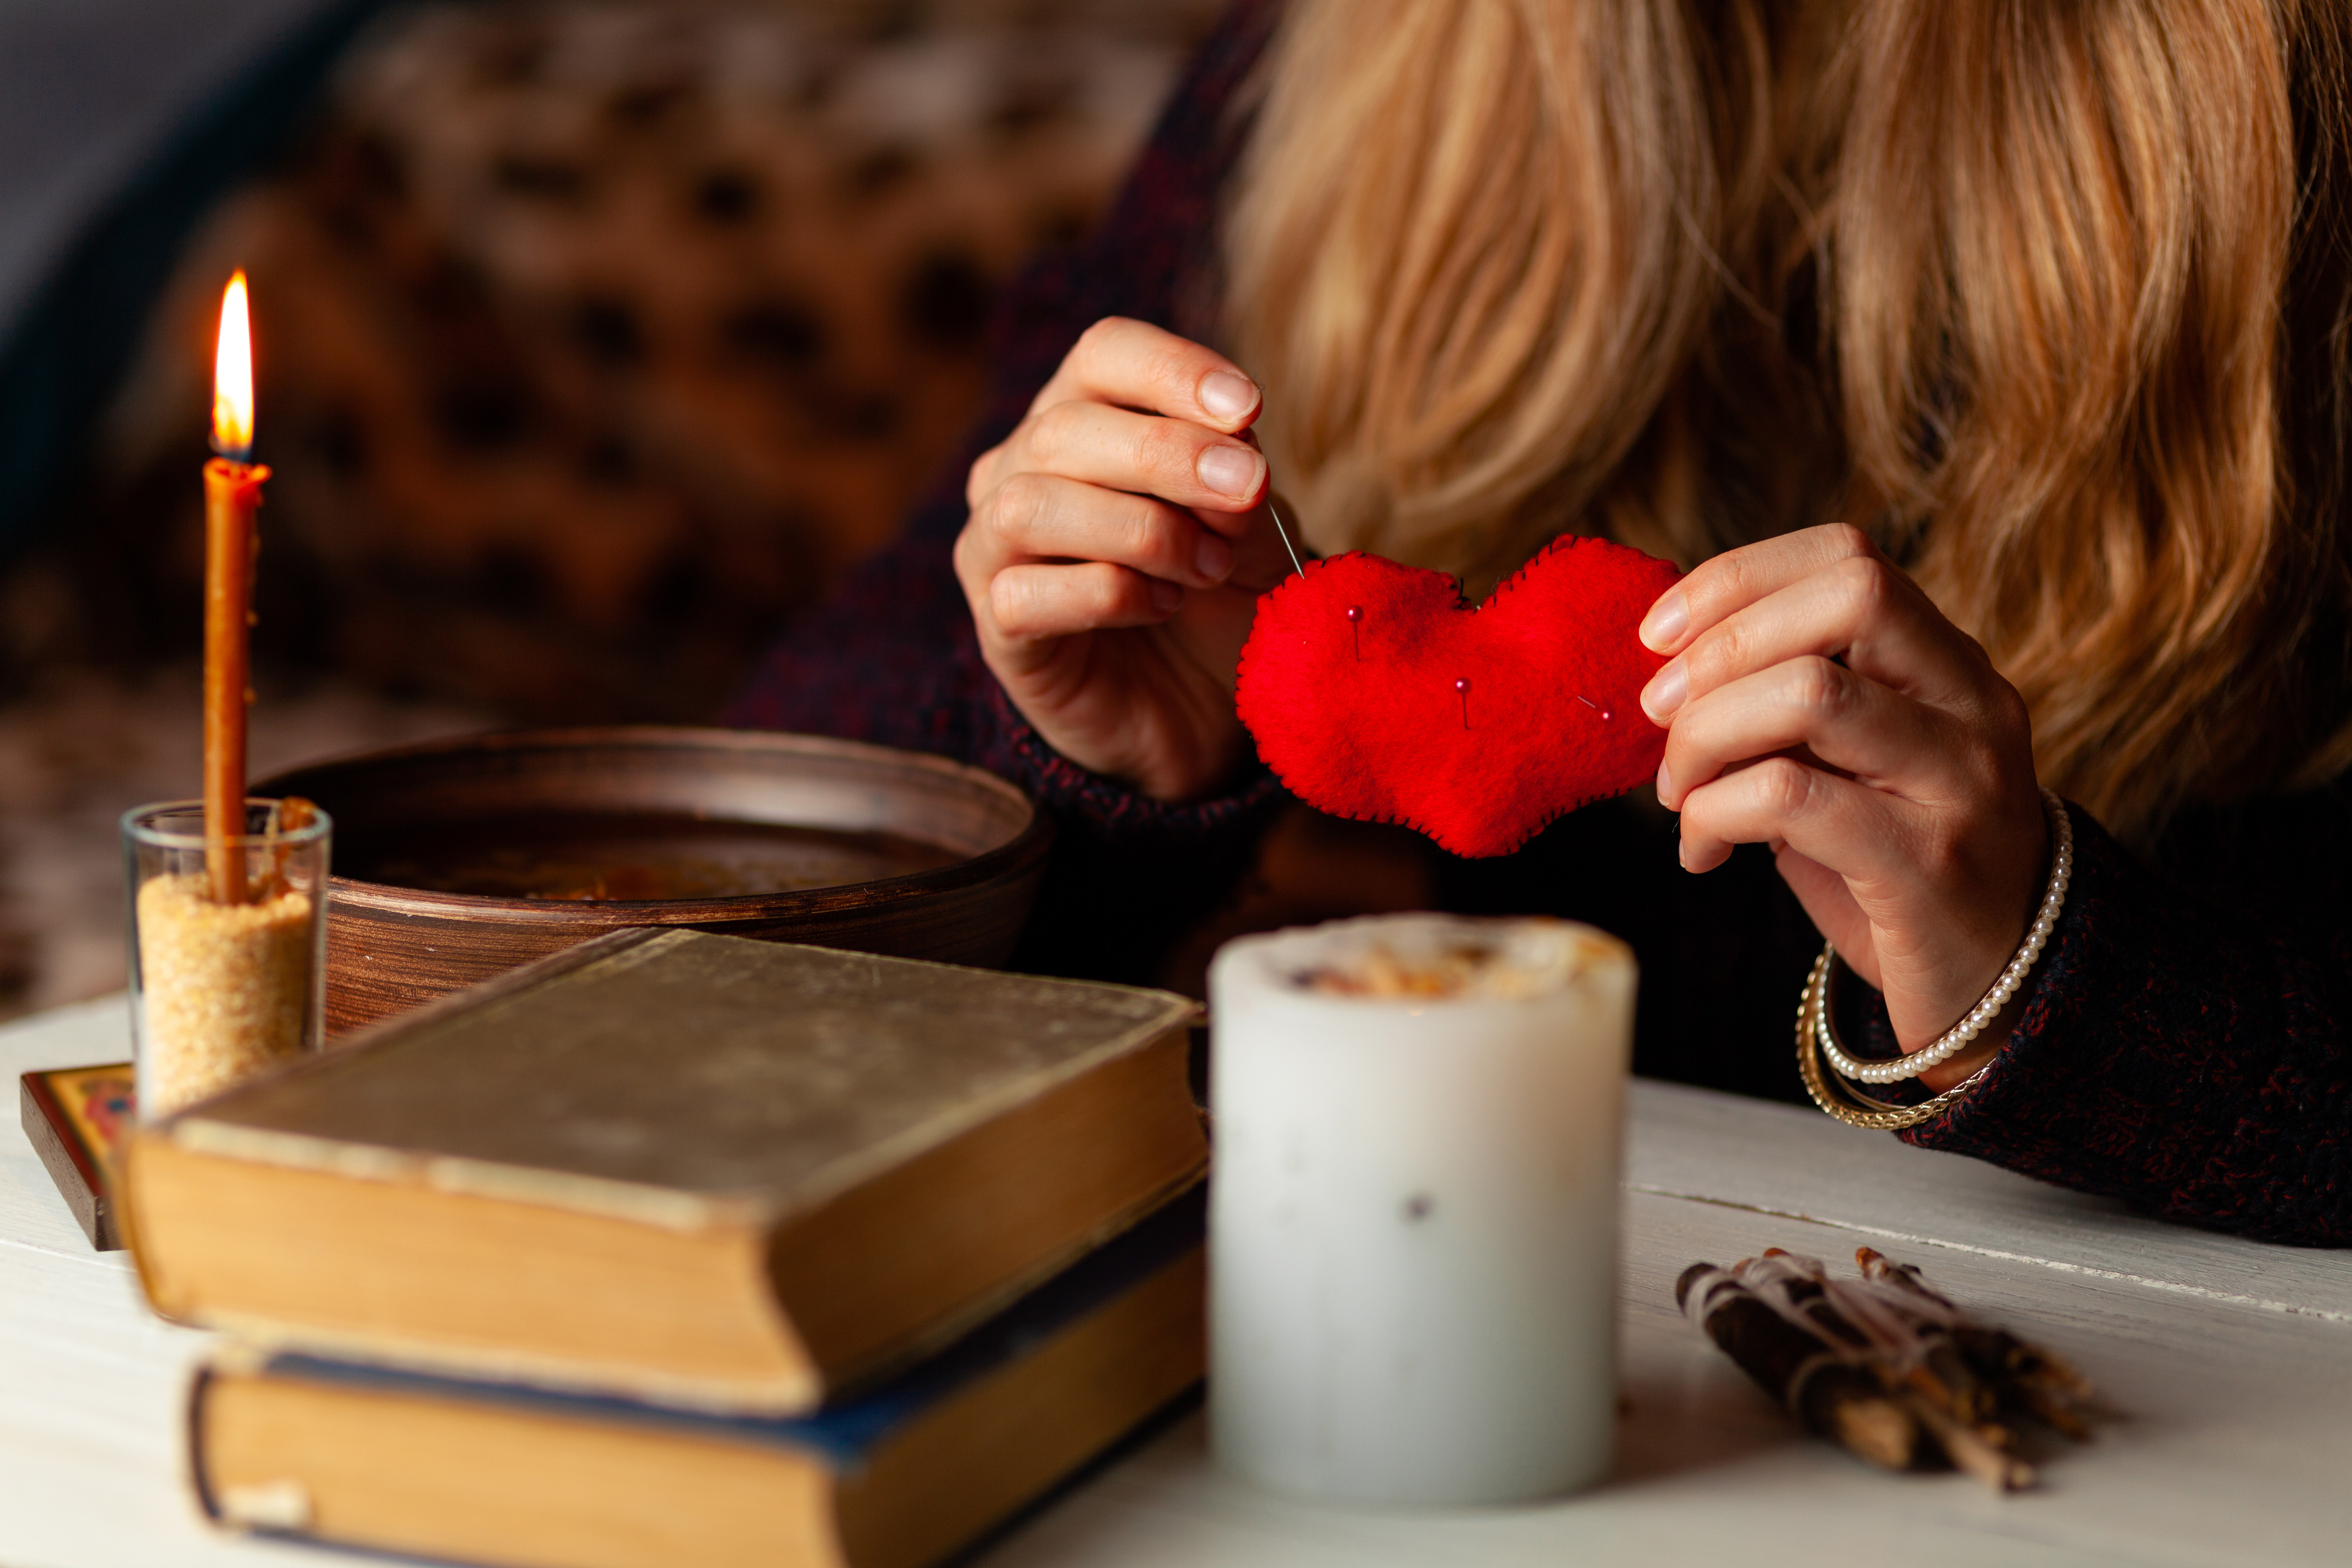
(2182, 1046)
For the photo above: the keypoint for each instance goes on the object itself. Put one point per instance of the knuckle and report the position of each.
(1165, 447)
(1098, 339)
(1106, 592)
(1819, 686)
(1714, 580)
(1784, 786)
(1010, 603)
(1868, 584)
(1018, 505)
(1144, 534)
(975, 479)
(1721, 654)
(1053, 432)
(1846, 541)
(1169, 367)
(1996, 721)
(1723, 579)
(1739, 579)
(2017, 716)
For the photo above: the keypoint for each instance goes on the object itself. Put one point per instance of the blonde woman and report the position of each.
(1985, 361)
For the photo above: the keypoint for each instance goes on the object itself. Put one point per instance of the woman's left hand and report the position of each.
(1818, 702)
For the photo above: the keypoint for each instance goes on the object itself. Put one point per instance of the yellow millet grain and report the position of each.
(226, 987)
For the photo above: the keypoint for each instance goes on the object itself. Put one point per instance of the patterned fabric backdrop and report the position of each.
(593, 339)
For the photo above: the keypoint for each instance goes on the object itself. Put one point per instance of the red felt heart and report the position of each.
(1375, 692)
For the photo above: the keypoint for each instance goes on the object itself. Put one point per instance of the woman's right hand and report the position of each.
(1116, 545)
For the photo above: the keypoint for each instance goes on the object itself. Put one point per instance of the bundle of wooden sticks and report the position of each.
(1885, 1366)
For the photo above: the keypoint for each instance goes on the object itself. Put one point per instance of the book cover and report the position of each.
(367, 1457)
(678, 1165)
(73, 1117)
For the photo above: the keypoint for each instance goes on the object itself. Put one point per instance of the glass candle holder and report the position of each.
(222, 988)
(1412, 1223)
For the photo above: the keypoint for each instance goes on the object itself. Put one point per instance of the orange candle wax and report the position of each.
(232, 493)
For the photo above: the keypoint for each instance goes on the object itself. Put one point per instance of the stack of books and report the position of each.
(681, 1249)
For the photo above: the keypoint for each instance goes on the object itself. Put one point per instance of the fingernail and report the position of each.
(1666, 692)
(1230, 470)
(1665, 786)
(1682, 854)
(1665, 621)
(1214, 558)
(1226, 395)
(1166, 596)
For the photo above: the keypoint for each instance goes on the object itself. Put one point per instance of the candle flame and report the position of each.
(233, 375)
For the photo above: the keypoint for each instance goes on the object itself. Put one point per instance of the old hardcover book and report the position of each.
(363, 1456)
(683, 1167)
(73, 1118)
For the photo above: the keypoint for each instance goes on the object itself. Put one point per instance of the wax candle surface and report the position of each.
(232, 492)
(1414, 1212)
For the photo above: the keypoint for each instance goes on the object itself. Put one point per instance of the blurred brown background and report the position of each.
(593, 339)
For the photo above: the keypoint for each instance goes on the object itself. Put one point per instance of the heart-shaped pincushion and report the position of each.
(1375, 692)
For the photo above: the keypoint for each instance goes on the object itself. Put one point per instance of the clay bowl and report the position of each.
(456, 860)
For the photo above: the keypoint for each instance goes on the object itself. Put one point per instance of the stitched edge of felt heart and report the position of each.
(1581, 646)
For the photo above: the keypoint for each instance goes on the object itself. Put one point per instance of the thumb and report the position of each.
(1834, 912)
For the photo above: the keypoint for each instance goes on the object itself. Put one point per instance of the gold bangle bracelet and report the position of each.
(1843, 1101)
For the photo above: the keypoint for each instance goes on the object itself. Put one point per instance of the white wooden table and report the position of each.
(2233, 1359)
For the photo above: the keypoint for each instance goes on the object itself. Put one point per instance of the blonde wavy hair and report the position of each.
(2050, 297)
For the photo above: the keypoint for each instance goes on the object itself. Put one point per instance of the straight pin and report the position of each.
(1356, 625)
(1462, 688)
(1594, 706)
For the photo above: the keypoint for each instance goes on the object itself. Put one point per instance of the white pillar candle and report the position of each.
(1413, 1211)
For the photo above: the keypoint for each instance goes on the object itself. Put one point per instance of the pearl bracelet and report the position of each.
(1841, 1099)
(1957, 1038)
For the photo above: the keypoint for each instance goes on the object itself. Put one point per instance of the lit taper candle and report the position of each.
(232, 493)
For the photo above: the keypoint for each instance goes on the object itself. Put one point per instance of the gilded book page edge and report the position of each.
(769, 1397)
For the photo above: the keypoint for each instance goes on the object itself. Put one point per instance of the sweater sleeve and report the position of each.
(2184, 1047)
(892, 658)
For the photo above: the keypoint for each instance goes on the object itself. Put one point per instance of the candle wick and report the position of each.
(1461, 685)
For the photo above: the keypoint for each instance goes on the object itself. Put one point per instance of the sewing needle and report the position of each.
(1285, 537)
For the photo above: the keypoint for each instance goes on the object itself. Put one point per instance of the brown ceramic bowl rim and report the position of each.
(1030, 844)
